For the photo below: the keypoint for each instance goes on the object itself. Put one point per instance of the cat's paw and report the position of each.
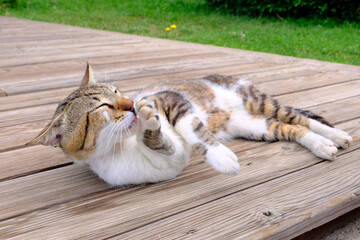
(147, 114)
(222, 159)
(320, 146)
(340, 138)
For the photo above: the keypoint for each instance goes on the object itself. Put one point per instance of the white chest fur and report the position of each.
(131, 162)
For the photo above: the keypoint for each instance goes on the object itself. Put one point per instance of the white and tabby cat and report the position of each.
(151, 140)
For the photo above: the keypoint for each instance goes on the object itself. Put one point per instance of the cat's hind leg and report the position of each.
(259, 103)
(193, 130)
(270, 129)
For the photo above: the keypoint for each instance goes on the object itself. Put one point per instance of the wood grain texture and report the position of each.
(282, 191)
(55, 95)
(135, 207)
(277, 213)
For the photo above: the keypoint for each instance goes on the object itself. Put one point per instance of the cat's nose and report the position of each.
(125, 104)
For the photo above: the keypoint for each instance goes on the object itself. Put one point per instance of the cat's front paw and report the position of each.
(145, 110)
(222, 159)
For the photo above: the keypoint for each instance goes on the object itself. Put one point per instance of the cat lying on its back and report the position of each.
(151, 140)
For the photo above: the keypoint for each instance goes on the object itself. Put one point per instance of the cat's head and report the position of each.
(84, 114)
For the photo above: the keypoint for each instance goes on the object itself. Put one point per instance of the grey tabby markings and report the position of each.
(159, 142)
(203, 133)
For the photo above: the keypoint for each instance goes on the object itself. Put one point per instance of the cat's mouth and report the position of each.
(133, 122)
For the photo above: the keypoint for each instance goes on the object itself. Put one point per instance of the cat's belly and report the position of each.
(220, 114)
(136, 166)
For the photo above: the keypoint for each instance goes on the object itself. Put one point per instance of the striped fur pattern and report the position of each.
(150, 138)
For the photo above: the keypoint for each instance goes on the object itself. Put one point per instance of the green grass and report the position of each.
(317, 39)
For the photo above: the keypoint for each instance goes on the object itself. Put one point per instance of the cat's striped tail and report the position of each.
(259, 103)
(313, 115)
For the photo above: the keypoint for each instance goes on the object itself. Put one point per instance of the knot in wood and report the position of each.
(267, 213)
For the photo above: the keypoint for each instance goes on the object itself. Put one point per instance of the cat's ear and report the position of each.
(88, 78)
(49, 136)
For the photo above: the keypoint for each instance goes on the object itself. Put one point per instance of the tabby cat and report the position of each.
(151, 139)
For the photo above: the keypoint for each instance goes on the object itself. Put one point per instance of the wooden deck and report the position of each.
(281, 192)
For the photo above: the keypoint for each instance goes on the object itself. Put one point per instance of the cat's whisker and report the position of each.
(116, 138)
(127, 131)
(112, 131)
(109, 125)
(121, 151)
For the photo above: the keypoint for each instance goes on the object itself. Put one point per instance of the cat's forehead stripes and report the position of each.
(94, 92)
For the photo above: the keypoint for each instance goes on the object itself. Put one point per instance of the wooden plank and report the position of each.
(47, 37)
(17, 136)
(30, 160)
(328, 229)
(339, 111)
(322, 95)
(54, 96)
(34, 99)
(25, 115)
(79, 53)
(120, 73)
(69, 182)
(284, 73)
(64, 69)
(21, 47)
(301, 83)
(116, 211)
